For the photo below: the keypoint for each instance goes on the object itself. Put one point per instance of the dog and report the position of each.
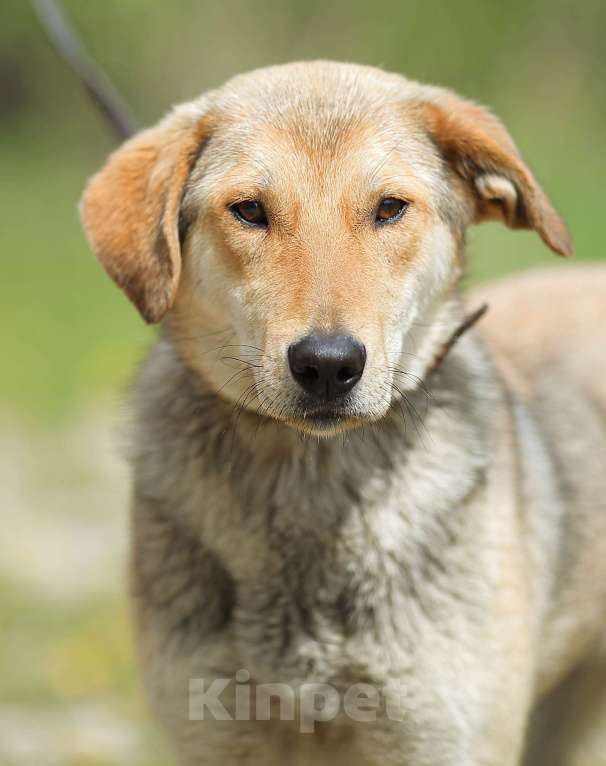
(331, 497)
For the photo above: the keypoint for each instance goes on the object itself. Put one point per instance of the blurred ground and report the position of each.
(69, 694)
(68, 689)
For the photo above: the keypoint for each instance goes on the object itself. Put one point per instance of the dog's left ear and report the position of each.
(130, 210)
(482, 154)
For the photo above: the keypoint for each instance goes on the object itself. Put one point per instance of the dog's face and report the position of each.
(301, 228)
(317, 243)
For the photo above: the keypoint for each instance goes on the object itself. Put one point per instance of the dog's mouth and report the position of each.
(323, 421)
(326, 418)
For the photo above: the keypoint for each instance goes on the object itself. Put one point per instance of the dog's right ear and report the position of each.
(130, 210)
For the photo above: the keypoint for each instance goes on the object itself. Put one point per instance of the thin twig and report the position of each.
(64, 40)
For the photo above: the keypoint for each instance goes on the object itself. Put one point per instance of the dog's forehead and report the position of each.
(295, 159)
(317, 117)
(306, 142)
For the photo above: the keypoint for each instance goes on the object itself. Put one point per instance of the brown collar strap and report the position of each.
(468, 322)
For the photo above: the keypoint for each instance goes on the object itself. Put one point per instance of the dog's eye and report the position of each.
(251, 212)
(390, 209)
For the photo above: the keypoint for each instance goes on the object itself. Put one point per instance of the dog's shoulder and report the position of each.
(549, 318)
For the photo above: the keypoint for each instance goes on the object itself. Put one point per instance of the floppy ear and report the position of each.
(130, 210)
(500, 185)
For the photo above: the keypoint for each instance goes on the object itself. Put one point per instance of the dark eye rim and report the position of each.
(405, 204)
(234, 210)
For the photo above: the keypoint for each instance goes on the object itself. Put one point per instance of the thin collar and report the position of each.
(468, 322)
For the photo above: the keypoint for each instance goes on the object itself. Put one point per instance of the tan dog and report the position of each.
(300, 232)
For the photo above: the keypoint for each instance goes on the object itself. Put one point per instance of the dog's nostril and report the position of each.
(327, 366)
(310, 373)
(346, 373)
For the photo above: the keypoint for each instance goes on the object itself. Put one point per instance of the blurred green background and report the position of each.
(68, 690)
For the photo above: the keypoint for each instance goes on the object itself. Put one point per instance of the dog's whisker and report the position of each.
(234, 377)
(242, 361)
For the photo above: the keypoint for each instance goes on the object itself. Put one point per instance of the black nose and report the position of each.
(327, 366)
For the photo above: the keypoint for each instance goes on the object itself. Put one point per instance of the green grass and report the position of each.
(66, 332)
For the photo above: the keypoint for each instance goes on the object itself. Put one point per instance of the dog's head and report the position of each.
(299, 230)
